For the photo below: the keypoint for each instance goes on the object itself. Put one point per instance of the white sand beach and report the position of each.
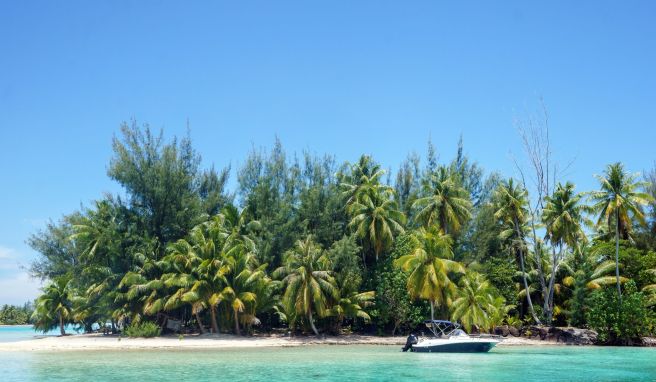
(222, 341)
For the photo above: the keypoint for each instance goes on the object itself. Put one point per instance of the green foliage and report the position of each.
(346, 264)
(346, 247)
(165, 185)
(57, 254)
(309, 283)
(408, 185)
(619, 322)
(268, 187)
(54, 308)
(15, 315)
(477, 303)
(145, 329)
(635, 263)
(444, 203)
(481, 238)
(375, 217)
(501, 274)
(619, 204)
(394, 307)
(430, 269)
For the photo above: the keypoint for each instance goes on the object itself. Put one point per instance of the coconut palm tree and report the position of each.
(430, 267)
(597, 278)
(210, 244)
(586, 273)
(376, 219)
(511, 209)
(309, 285)
(618, 204)
(447, 203)
(193, 268)
(562, 216)
(240, 227)
(476, 303)
(363, 180)
(140, 291)
(352, 305)
(55, 306)
(241, 282)
(182, 264)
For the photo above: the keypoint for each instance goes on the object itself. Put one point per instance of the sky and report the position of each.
(339, 77)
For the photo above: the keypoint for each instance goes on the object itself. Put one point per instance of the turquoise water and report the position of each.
(26, 332)
(335, 363)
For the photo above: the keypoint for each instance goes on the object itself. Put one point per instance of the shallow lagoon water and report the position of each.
(335, 363)
(26, 332)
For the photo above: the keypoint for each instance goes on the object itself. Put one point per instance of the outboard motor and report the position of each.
(412, 340)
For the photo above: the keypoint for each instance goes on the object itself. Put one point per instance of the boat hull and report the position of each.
(462, 347)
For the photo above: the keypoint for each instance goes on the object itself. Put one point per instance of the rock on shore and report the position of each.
(565, 335)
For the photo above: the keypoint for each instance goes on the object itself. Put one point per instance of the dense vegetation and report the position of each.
(311, 245)
(15, 315)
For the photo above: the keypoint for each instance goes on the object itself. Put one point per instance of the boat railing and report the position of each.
(485, 335)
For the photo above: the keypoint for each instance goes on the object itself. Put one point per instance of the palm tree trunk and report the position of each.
(617, 253)
(396, 325)
(528, 293)
(444, 227)
(61, 324)
(215, 327)
(548, 302)
(200, 323)
(538, 258)
(432, 305)
(236, 322)
(314, 328)
(364, 255)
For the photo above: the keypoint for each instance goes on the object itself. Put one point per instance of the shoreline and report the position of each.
(222, 341)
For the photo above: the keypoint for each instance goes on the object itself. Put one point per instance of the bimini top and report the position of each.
(441, 327)
(441, 322)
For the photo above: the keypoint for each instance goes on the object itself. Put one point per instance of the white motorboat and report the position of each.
(449, 338)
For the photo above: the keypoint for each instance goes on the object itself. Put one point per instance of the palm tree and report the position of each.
(363, 180)
(240, 227)
(140, 290)
(511, 201)
(55, 306)
(597, 278)
(209, 242)
(586, 273)
(447, 204)
(352, 305)
(430, 266)
(190, 287)
(619, 203)
(241, 281)
(309, 285)
(476, 303)
(562, 216)
(376, 219)
(195, 267)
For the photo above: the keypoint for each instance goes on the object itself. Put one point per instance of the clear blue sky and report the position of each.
(342, 77)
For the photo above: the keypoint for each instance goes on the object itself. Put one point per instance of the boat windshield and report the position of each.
(458, 333)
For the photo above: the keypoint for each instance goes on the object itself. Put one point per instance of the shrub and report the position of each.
(144, 329)
(618, 323)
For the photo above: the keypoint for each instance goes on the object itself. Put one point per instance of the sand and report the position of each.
(222, 341)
